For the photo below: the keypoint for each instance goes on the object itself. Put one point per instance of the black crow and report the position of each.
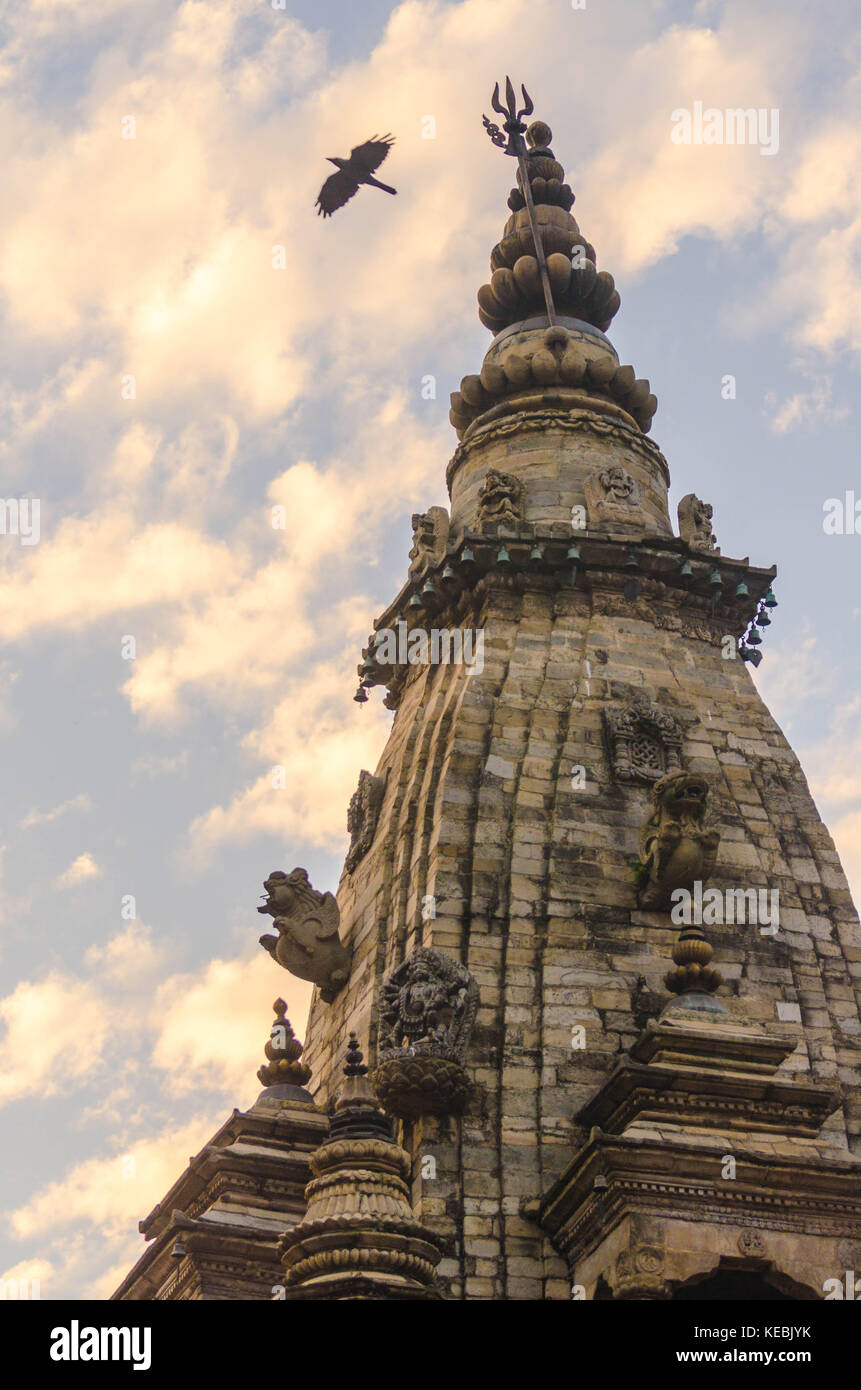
(358, 169)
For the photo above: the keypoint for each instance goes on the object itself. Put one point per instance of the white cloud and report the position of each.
(79, 871)
(56, 1031)
(81, 802)
(213, 1027)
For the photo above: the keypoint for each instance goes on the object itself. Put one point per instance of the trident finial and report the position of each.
(514, 145)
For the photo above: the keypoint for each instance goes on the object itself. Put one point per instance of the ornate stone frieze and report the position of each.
(569, 422)
(677, 846)
(644, 742)
(430, 534)
(500, 499)
(307, 943)
(362, 816)
(613, 498)
(695, 524)
(427, 1009)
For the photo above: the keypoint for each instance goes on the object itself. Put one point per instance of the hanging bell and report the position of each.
(573, 551)
(715, 580)
(448, 576)
(754, 637)
(632, 563)
(755, 658)
(770, 601)
(742, 591)
(414, 603)
(467, 558)
(502, 556)
(686, 569)
(360, 696)
(763, 619)
(429, 588)
(536, 554)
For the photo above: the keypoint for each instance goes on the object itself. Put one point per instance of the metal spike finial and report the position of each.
(516, 146)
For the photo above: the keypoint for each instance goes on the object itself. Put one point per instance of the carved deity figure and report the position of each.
(612, 496)
(695, 523)
(307, 943)
(500, 498)
(677, 847)
(428, 1004)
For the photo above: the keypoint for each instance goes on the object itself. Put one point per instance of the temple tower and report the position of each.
(584, 739)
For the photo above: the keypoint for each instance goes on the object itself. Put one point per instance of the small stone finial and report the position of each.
(539, 135)
(283, 1051)
(692, 954)
(355, 1061)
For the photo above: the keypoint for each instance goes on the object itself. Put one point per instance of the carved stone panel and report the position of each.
(362, 816)
(695, 524)
(500, 499)
(427, 1009)
(613, 498)
(644, 742)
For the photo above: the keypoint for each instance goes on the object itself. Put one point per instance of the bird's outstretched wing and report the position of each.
(370, 156)
(336, 191)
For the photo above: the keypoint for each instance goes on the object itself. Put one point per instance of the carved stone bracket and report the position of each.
(307, 943)
(639, 1274)
(644, 742)
(430, 536)
(427, 1010)
(362, 816)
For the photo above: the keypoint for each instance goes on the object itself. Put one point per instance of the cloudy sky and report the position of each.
(168, 376)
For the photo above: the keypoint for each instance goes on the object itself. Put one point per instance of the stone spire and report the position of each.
(359, 1238)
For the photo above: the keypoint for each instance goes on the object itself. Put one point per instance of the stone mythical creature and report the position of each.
(695, 523)
(676, 845)
(307, 943)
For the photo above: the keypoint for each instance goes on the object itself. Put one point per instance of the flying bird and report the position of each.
(358, 169)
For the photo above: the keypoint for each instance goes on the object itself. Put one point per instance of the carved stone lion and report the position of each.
(676, 845)
(307, 943)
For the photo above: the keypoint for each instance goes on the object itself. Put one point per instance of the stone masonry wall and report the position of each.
(534, 891)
